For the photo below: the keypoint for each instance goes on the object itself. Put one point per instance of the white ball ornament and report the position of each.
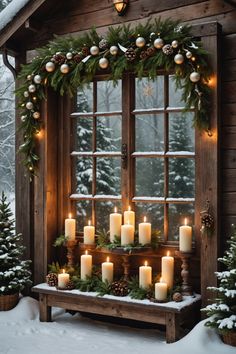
(36, 115)
(114, 50)
(179, 59)
(194, 76)
(32, 88)
(140, 42)
(64, 69)
(94, 50)
(189, 54)
(50, 67)
(174, 44)
(29, 105)
(158, 43)
(37, 79)
(69, 55)
(26, 94)
(103, 63)
(23, 118)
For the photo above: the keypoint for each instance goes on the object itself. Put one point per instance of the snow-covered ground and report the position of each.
(22, 333)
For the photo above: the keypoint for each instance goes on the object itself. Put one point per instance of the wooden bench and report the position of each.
(171, 314)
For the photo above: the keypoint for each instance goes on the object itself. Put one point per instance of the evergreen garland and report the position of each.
(68, 63)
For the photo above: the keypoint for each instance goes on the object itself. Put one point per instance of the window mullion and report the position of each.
(94, 147)
(166, 160)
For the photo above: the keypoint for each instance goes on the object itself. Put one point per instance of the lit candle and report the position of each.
(115, 225)
(145, 276)
(63, 279)
(107, 271)
(185, 237)
(127, 234)
(167, 270)
(70, 228)
(89, 234)
(160, 291)
(129, 217)
(144, 232)
(85, 266)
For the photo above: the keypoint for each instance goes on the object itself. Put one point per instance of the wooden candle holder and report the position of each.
(186, 289)
(70, 245)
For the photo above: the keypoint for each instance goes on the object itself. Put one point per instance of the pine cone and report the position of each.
(207, 221)
(103, 44)
(59, 58)
(177, 297)
(150, 51)
(85, 51)
(119, 288)
(78, 57)
(167, 49)
(143, 54)
(52, 279)
(130, 54)
(70, 285)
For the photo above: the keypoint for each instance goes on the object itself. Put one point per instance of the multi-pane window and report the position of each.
(133, 146)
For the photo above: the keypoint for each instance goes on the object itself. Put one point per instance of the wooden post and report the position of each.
(172, 327)
(44, 309)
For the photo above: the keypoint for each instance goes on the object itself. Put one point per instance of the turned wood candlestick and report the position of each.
(186, 289)
(126, 266)
(70, 245)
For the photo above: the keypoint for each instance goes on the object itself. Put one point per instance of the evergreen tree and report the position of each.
(223, 311)
(14, 273)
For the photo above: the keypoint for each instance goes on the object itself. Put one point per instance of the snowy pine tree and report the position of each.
(223, 311)
(14, 273)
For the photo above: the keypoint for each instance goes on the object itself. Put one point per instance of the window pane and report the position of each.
(83, 213)
(85, 99)
(108, 176)
(149, 177)
(181, 178)
(149, 132)
(149, 93)
(174, 95)
(109, 133)
(181, 132)
(103, 210)
(177, 214)
(108, 96)
(84, 175)
(154, 213)
(84, 131)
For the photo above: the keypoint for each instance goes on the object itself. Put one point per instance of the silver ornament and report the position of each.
(179, 59)
(50, 67)
(23, 118)
(140, 42)
(174, 44)
(36, 115)
(194, 76)
(29, 105)
(29, 77)
(152, 35)
(114, 50)
(32, 88)
(158, 43)
(189, 54)
(26, 94)
(64, 69)
(103, 63)
(94, 50)
(69, 55)
(37, 79)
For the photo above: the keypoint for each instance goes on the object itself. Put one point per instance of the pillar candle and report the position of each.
(63, 279)
(115, 225)
(127, 235)
(107, 271)
(160, 291)
(145, 276)
(85, 265)
(167, 270)
(129, 217)
(185, 237)
(144, 232)
(70, 225)
(89, 234)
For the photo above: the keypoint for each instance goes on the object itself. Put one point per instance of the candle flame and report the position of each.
(89, 222)
(108, 259)
(144, 219)
(115, 209)
(145, 263)
(86, 252)
(63, 271)
(168, 253)
(70, 215)
(185, 221)
(129, 208)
